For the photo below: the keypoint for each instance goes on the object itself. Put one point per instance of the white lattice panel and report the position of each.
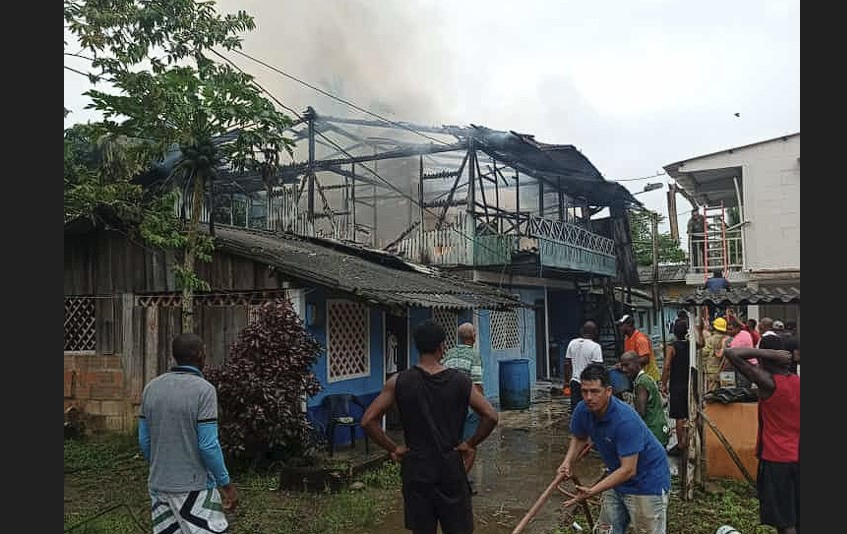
(80, 324)
(253, 313)
(449, 322)
(505, 330)
(348, 348)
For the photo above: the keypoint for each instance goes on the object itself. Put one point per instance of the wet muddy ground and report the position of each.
(515, 465)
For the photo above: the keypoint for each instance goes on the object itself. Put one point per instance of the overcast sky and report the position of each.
(633, 84)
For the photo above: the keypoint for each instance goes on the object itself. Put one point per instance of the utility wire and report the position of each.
(662, 173)
(345, 152)
(339, 99)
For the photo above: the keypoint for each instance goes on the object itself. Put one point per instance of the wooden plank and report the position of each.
(220, 271)
(243, 273)
(137, 340)
(116, 245)
(213, 325)
(170, 274)
(151, 343)
(137, 268)
(235, 321)
(264, 276)
(133, 371)
(104, 324)
(170, 325)
(103, 266)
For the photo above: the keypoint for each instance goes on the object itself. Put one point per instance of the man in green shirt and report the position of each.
(648, 400)
(466, 358)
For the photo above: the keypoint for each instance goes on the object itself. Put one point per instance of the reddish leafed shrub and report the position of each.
(262, 383)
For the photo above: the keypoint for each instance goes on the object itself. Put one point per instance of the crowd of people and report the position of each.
(445, 416)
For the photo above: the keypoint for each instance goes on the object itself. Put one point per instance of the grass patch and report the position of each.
(106, 492)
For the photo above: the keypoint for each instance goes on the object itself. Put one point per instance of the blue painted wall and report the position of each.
(367, 387)
(526, 343)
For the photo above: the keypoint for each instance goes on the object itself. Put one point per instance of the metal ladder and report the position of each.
(714, 244)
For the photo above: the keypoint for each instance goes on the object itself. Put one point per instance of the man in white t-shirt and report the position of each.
(582, 351)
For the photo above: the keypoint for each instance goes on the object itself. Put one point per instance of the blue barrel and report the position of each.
(620, 382)
(515, 389)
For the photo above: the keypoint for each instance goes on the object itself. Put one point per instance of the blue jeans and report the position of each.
(647, 513)
(471, 422)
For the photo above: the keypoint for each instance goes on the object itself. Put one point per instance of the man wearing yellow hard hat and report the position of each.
(713, 347)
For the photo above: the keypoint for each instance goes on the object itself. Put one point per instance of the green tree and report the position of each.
(168, 93)
(642, 241)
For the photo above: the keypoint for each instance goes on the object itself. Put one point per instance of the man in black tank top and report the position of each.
(432, 401)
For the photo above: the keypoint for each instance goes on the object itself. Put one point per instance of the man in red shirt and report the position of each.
(778, 441)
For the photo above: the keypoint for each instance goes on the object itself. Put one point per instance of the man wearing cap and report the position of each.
(637, 341)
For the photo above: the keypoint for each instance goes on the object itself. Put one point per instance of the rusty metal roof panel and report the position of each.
(333, 265)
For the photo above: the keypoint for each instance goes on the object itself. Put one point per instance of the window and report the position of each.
(80, 325)
(348, 346)
(504, 330)
(449, 321)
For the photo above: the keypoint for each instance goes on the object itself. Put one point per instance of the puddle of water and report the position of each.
(513, 468)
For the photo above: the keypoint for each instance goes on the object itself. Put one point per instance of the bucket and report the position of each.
(515, 389)
(619, 381)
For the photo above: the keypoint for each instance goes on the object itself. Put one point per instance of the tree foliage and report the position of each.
(168, 93)
(263, 382)
(642, 241)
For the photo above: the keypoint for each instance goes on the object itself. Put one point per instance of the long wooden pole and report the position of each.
(728, 448)
(546, 495)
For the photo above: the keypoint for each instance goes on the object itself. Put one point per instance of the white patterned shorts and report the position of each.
(188, 513)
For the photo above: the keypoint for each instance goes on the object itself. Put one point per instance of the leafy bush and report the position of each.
(262, 384)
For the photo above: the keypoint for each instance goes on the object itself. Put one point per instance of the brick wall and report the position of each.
(95, 385)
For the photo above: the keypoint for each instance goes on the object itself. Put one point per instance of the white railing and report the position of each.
(570, 234)
(282, 214)
(448, 245)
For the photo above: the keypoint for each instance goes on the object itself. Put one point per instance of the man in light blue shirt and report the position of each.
(188, 482)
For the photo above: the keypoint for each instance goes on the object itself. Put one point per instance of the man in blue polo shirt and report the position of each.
(637, 481)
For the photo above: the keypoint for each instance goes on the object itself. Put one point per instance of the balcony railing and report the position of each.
(568, 246)
(558, 244)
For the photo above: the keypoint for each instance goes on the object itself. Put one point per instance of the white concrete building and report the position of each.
(761, 249)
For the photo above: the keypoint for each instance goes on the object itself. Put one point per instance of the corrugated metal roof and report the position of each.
(389, 281)
(743, 295)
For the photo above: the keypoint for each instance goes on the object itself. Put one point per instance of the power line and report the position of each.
(345, 152)
(339, 99)
(662, 173)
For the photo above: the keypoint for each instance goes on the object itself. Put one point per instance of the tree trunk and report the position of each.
(190, 253)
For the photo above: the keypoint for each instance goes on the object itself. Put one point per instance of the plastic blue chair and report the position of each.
(340, 412)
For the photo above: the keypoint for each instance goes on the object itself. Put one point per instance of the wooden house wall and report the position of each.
(132, 343)
(107, 263)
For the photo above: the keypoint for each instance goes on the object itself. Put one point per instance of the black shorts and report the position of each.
(778, 487)
(678, 402)
(431, 499)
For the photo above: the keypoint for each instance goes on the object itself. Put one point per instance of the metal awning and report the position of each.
(742, 296)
